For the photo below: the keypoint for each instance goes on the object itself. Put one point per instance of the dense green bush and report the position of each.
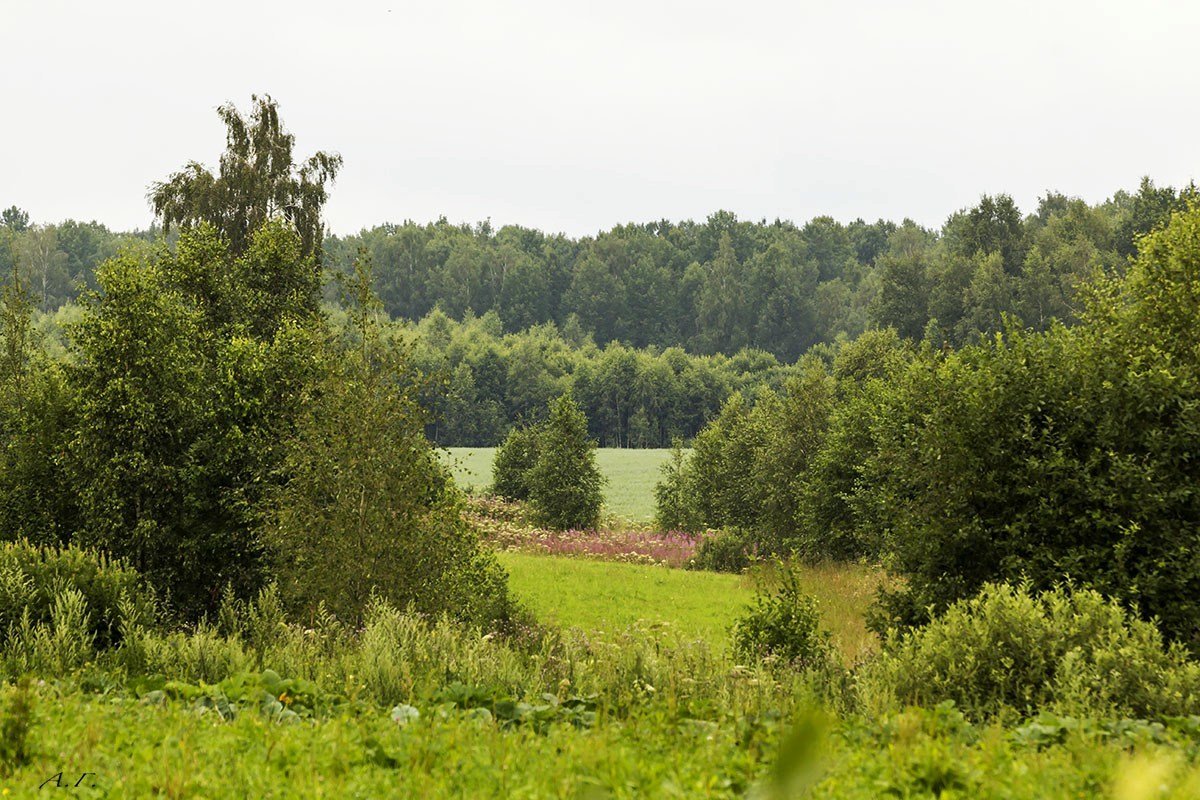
(721, 481)
(514, 458)
(787, 467)
(553, 466)
(33, 579)
(784, 624)
(830, 522)
(1010, 648)
(184, 389)
(1064, 454)
(674, 508)
(368, 509)
(36, 501)
(730, 550)
(564, 483)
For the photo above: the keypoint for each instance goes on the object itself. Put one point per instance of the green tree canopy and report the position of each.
(368, 508)
(564, 484)
(258, 180)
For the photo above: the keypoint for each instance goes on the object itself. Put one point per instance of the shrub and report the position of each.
(726, 551)
(720, 472)
(368, 508)
(674, 503)
(564, 484)
(16, 721)
(36, 582)
(515, 457)
(183, 385)
(785, 624)
(1009, 648)
(1064, 454)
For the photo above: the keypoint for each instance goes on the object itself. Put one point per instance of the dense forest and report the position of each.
(712, 287)
(726, 284)
(654, 326)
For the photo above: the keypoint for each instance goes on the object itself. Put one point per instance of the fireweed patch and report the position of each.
(507, 526)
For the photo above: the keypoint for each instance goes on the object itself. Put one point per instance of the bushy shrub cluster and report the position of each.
(674, 506)
(212, 428)
(515, 458)
(784, 624)
(730, 550)
(34, 580)
(198, 413)
(783, 467)
(368, 509)
(1014, 649)
(1061, 454)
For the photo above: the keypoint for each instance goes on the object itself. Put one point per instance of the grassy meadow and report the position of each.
(631, 475)
(630, 691)
(600, 596)
(609, 596)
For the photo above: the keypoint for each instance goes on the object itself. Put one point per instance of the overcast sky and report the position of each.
(577, 116)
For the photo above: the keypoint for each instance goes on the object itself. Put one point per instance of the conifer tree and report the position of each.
(564, 484)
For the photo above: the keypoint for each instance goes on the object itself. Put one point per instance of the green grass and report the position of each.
(843, 593)
(631, 476)
(607, 596)
(129, 749)
(115, 746)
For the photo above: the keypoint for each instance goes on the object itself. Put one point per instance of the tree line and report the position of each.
(653, 326)
(487, 380)
(716, 286)
(725, 284)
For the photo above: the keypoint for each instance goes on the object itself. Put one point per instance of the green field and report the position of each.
(608, 597)
(631, 476)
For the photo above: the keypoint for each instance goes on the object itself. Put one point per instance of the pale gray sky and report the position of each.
(577, 116)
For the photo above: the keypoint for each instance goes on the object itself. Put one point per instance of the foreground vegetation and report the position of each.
(425, 705)
(131, 749)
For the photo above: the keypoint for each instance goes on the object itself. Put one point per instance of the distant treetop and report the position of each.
(258, 180)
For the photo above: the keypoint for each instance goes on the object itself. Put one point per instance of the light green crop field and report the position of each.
(631, 476)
